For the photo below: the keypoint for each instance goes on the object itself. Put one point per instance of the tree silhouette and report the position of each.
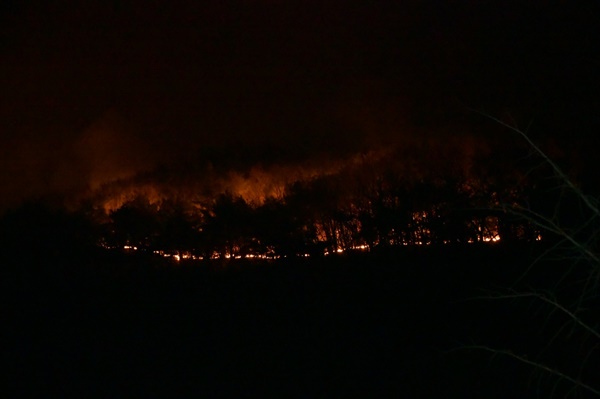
(227, 225)
(283, 228)
(135, 223)
(178, 227)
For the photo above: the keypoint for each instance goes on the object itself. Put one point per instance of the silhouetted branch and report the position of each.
(537, 365)
(580, 238)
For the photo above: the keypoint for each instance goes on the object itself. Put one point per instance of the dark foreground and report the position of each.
(380, 325)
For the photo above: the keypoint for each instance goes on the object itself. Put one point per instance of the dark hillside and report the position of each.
(381, 325)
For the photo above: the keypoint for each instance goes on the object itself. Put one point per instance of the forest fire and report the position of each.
(300, 198)
(488, 234)
(235, 230)
(361, 203)
(352, 205)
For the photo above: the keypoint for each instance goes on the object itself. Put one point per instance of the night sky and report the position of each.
(96, 91)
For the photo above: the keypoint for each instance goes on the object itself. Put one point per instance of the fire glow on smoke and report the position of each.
(338, 195)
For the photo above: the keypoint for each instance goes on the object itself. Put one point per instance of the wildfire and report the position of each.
(487, 229)
(353, 205)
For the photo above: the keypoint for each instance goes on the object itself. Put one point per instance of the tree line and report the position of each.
(363, 206)
(400, 199)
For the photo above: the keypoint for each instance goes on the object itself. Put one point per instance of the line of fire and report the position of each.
(235, 230)
(366, 203)
(438, 196)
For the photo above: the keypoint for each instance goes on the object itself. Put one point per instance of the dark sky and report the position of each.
(92, 91)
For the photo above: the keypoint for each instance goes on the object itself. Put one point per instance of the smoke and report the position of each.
(108, 151)
(64, 168)
(210, 97)
(113, 160)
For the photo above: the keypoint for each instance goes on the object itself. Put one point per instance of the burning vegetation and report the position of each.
(373, 200)
(425, 193)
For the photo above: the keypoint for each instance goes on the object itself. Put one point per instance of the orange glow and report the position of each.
(340, 212)
(489, 230)
(254, 185)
